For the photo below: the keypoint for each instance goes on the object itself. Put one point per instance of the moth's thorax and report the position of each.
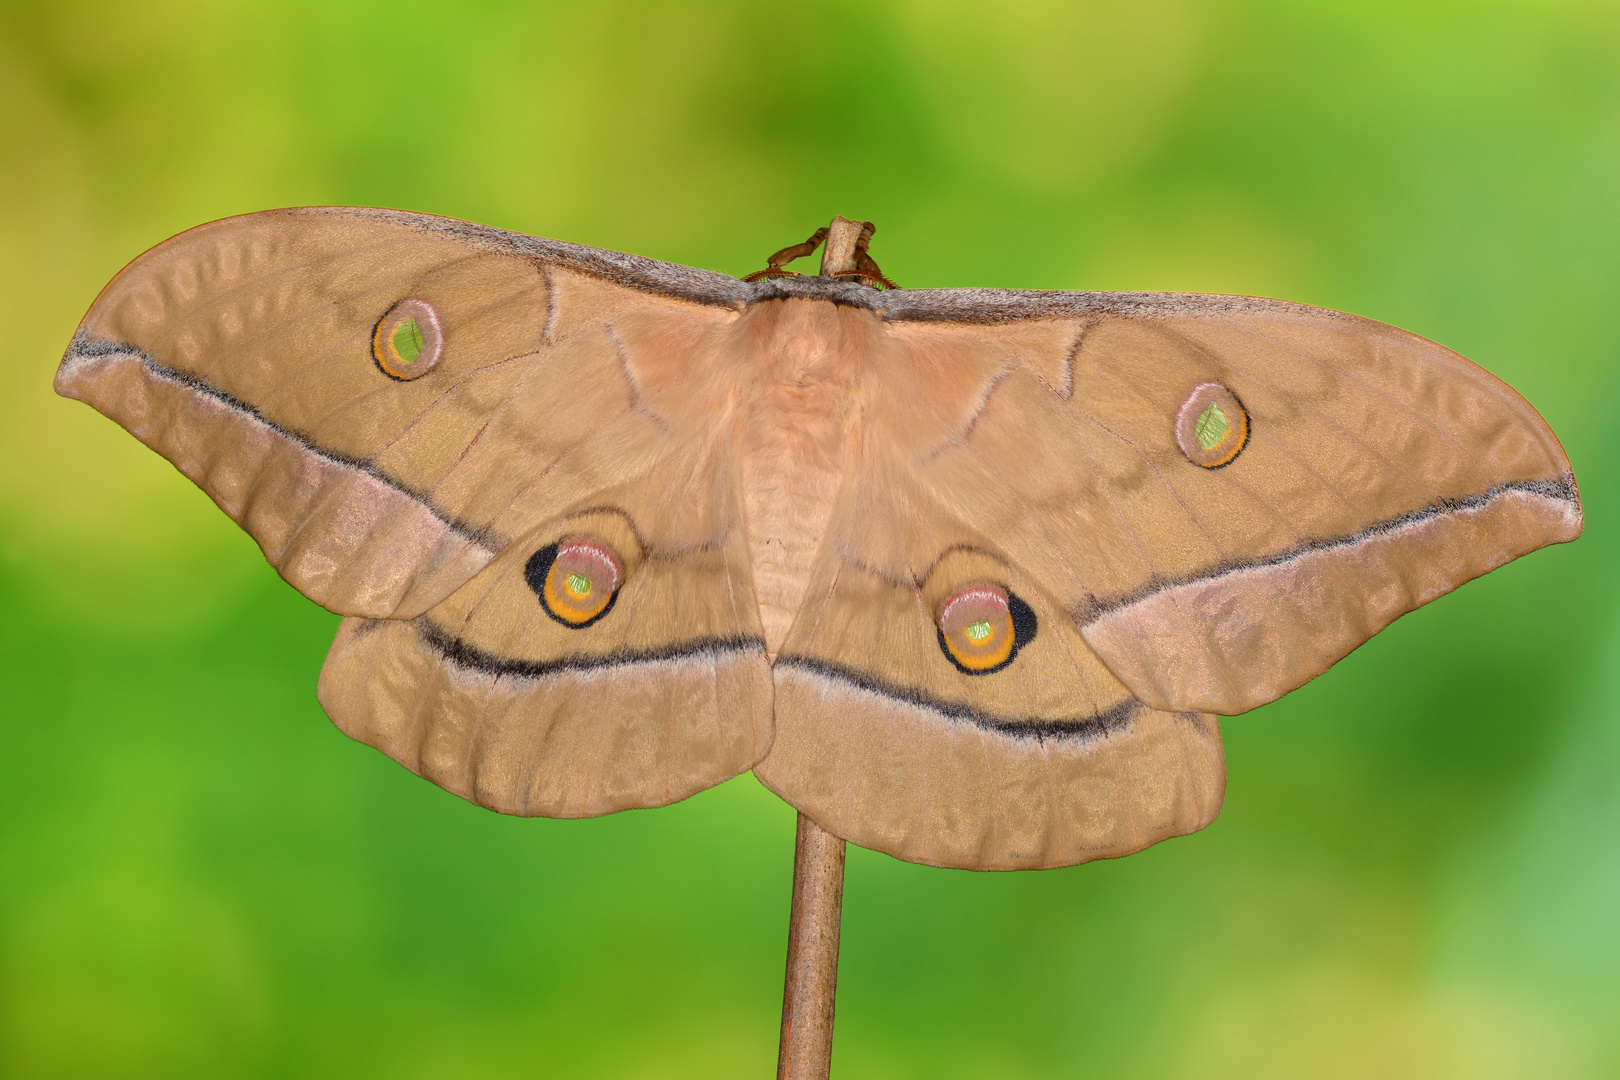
(796, 440)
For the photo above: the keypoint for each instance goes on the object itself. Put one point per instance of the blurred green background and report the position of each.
(1417, 873)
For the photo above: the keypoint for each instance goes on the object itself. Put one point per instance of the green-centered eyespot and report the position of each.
(979, 630)
(408, 341)
(577, 579)
(1211, 426)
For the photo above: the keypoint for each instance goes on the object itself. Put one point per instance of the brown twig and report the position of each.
(812, 961)
(845, 257)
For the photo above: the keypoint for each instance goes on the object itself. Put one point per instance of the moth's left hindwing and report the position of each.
(407, 414)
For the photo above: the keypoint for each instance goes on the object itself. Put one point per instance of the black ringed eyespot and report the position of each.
(981, 627)
(577, 580)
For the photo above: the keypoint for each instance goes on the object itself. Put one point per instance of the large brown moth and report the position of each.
(965, 575)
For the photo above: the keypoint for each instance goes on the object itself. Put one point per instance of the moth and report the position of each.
(965, 575)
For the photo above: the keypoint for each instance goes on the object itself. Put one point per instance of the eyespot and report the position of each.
(577, 579)
(982, 627)
(1212, 426)
(408, 340)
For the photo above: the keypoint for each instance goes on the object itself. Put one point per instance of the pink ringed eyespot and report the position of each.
(408, 340)
(1212, 426)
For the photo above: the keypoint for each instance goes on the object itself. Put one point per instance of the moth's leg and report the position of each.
(868, 274)
(774, 265)
(771, 272)
(868, 230)
(866, 268)
(797, 251)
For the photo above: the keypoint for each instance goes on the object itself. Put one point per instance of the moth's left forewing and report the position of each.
(667, 691)
(439, 430)
(246, 352)
(242, 351)
(621, 437)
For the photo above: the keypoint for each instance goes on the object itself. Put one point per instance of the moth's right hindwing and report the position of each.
(1202, 501)
(893, 735)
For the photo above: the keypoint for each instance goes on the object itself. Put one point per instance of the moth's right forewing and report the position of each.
(1369, 472)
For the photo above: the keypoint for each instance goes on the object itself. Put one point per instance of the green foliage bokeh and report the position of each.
(1417, 872)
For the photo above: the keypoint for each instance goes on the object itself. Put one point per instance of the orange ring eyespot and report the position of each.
(408, 340)
(1212, 426)
(981, 628)
(577, 579)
